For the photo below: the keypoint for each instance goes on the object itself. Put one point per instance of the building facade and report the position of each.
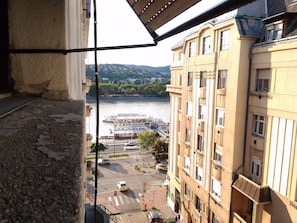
(232, 141)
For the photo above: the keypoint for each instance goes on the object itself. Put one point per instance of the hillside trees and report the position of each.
(152, 89)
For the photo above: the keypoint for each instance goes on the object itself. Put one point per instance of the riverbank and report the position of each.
(91, 99)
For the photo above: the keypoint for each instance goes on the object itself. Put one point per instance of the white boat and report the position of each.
(128, 125)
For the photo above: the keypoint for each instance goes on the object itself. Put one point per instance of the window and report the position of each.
(225, 40)
(190, 78)
(187, 190)
(187, 163)
(269, 34)
(198, 204)
(259, 124)
(220, 118)
(215, 219)
(180, 56)
(203, 79)
(202, 112)
(256, 166)
(189, 108)
(218, 152)
(216, 188)
(199, 174)
(200, 144)
(206, 45)
(263, 78)
(273, 32)
(222, 77)
(192, 48)
(180, 79)
(188, 135)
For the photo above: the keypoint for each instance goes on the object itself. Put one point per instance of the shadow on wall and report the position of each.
(278, 206)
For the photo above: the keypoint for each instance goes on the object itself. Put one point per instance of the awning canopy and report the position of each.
(155, 13)
(258, 194)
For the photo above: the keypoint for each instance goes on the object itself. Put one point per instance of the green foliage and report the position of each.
(160, 150)
(146, 139)
(101, 147)
(152, 89)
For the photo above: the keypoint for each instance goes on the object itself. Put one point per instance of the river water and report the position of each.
(155, 107)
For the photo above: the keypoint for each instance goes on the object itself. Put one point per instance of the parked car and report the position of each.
(131, 143)
(154, 216)
(161, 167)
(122, 186)
(103, 161)
(131, 148)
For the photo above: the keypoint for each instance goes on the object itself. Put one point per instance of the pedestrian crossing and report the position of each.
(122, 200)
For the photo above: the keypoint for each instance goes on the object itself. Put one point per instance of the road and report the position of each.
(139, 173)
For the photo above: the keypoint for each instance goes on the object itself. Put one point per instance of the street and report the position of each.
(139, 173)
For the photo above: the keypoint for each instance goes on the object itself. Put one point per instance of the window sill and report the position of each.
(221, 92)
(261, 94)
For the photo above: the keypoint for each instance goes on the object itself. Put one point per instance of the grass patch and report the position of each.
(110, 156)
(136, 167)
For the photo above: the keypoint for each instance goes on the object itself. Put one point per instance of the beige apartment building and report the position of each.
(233, 113)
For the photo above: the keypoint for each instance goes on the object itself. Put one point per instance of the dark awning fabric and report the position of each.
(258, 194)
(155, 13)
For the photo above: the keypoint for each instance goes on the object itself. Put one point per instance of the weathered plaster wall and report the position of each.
(42, 163)
(44, 24)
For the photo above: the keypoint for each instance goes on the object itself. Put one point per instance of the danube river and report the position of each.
(155, 107)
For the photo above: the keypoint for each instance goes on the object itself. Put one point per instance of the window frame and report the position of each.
(192, 48)
(206, 41)
(203, 75)
(256, 169)
(190, 79)
(202, 112)
(218, 154)
(199, 174)
(188, 136)
(222, 79)
(274, 31)
(216, 188)
(187, 191)
(189, 108)
(187, 163)
(257, 123)
(225, 40)
(263, 80)
(220, 115)
(200, 143)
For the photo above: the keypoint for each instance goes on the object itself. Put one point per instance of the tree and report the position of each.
(146, 139)
(101, 147)
(160, 150)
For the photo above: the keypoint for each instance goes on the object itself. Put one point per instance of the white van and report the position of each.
(131, 148)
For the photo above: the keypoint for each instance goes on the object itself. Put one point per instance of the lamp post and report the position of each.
(114, 139)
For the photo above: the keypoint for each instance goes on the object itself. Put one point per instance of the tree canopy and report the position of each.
(160, 150)
(146, 139)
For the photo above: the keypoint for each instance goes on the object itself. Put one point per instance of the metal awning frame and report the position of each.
(220, 9)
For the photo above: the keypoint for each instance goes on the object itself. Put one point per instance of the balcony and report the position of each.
(201, 125)
(203, 93)
(86, 85)
(88, 110)
(219, 135)
(199, 160)
(216, 170)
(89, 138)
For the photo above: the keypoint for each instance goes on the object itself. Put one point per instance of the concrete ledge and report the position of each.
(42, 163)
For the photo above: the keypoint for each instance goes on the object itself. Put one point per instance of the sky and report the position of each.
(117, 25)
